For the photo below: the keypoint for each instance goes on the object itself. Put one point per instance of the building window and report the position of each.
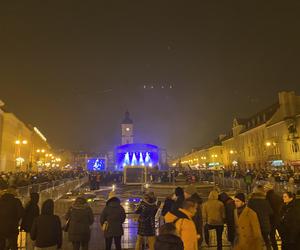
(264, 117)
(295, 147)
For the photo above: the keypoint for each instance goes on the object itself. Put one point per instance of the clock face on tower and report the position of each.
(127, 129)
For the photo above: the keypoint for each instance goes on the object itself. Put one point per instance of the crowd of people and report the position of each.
(20, 179)
(252, 221)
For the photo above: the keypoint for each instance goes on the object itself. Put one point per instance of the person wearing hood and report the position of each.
(168, 238)
(146, 221)
(213, 215)
(11, 211)
(247, 229)
(32, 211)
(259, 204)
(46, 228)
(114, 216)
(229, 215)
(80, 217)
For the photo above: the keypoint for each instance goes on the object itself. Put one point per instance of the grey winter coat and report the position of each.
(81, 218)
(115, 215)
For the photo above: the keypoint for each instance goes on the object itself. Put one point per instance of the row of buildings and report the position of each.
(270, 138)
(23, 147)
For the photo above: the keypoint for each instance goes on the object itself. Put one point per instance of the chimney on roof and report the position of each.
(288, 103)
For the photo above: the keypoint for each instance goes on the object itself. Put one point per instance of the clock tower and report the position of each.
(127, 129)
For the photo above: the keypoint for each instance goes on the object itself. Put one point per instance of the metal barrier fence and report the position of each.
(52, 190)
(239, 184)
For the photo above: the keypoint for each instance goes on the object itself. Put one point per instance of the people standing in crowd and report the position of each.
(185, 225)
(260, 205)
(247, 233)
(197, 218)
(276, 204)
(146, 221)
(248, 179)
(289, 223)
(168, 238)
(11, 212)
(31, 211)
(113, 215)
(229, 215)
(79, 217)
(213, 214)
(46, 229)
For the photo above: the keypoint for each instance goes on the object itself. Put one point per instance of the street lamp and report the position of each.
(268, 144)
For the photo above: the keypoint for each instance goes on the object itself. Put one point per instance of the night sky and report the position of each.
(72, 68)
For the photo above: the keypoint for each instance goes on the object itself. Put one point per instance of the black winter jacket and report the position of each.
(46, 231)
(262, 208)
(168, 242)
(276, 204)
(32, 211)
(11, 211)
(289, 227)
(115, 215)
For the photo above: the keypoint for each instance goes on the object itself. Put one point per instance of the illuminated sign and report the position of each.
(96, 164)
(39, 133)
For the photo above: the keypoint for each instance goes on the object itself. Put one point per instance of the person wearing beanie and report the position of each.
(113, 215)
(259, 204)
(213, 215)
(248, 234)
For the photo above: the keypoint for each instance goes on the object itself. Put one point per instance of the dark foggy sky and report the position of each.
(72, 68)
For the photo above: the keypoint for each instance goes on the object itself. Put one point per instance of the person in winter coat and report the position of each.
(173, 206)
(179, 198)
(80, 217)
(146, 222)
(32, 211)
(289, 223)
(229, 215)
(46, 228)
(11, 211)
(183, 220)
(276, 204)
(197, 218)
(213, 214)
(262, 208)
(168, 238)
(168, 203)
(114, 215)
(247, 232)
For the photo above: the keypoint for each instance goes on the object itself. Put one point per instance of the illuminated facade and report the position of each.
(19, 144)
(270, 138)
